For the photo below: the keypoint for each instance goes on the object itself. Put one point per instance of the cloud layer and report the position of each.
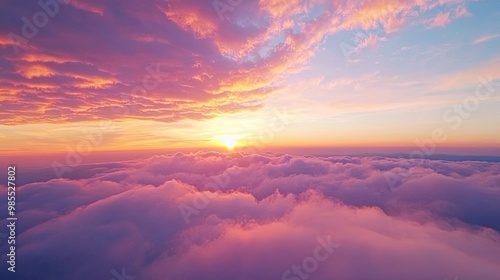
(169, 60)
(239, 216)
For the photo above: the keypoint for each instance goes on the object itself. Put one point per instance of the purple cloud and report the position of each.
(258, 216)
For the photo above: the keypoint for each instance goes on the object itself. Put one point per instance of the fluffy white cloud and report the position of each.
(238, 216)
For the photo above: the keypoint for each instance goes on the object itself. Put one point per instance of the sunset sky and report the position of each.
(249, 139)
(197, 74)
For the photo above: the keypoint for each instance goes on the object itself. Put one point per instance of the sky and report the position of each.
(210, 75)
(249, 139)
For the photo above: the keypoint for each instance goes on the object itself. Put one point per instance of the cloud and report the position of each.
(172, 60)
(371, 40)
(444, 18)
(441, 20)
(485, 38)
(255, 216)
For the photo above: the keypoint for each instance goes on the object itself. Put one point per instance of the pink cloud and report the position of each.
(371, 40)
(231, 75)
(190, 16)
(256, 216)
(486, 38)
(391, 15)
(441, 20)
(461, 11)
(93, 6)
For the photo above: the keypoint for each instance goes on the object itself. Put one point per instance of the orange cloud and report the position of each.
(37, 71)
(279, 9)
(95, 82)
(190, 17)
(237, 61)
(392, 15)
(36, 57)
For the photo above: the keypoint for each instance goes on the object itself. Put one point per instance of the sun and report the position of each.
(230, 141)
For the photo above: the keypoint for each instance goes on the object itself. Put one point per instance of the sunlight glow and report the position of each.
(230, 141)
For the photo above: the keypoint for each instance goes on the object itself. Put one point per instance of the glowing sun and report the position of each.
(230, 141)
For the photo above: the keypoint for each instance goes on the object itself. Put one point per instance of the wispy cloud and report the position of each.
(214, 67)
(485, 39)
